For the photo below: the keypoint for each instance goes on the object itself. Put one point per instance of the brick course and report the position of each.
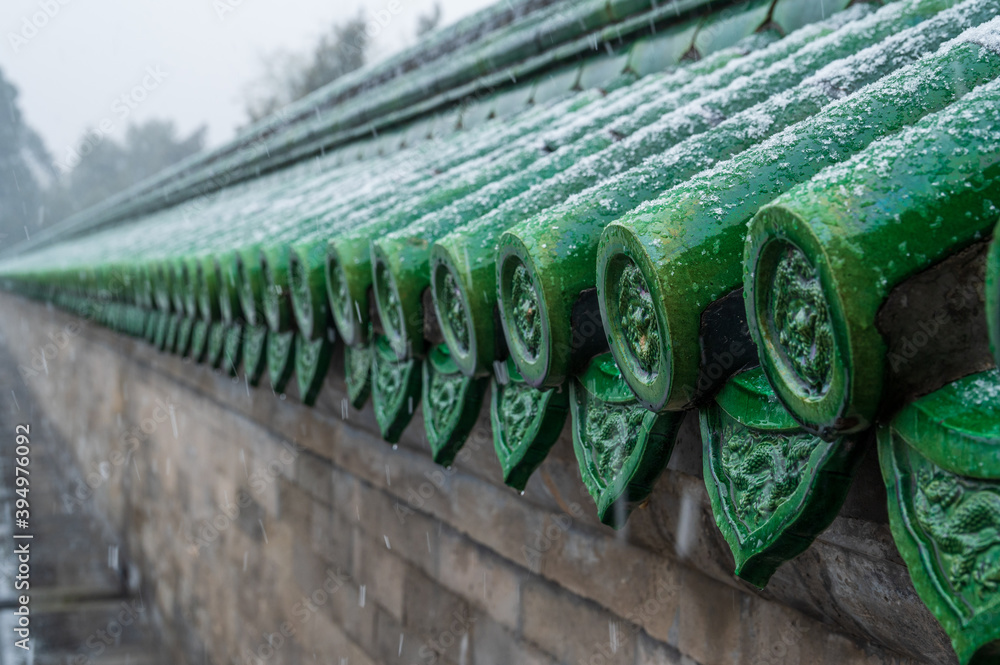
(241, 521)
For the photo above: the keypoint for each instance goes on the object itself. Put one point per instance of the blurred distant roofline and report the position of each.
(490, 49)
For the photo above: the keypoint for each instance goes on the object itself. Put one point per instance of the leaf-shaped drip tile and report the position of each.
(280, 359)
(130, 320)
(255, 353)
(152, 325)
(160, 339)
(312, 360)
(199, 340)
(358, 367)
(621, 446)
(184, 336)
(526, 423)
(773, 486)
(216, 344)
(946, 521)
(170, 338)
(452, 402)
(136, 321)
(142, 331)
(124, 318)
(395, 390)
(232, 352)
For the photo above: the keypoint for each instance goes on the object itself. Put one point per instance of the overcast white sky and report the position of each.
(73, 70)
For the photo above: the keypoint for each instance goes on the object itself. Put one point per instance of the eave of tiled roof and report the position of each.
(792, 233)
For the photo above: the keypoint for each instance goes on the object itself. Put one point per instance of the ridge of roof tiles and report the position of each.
(782, 221)
(489, 50)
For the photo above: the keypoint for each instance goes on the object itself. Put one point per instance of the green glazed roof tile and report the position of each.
(621, 448)
(773, 487)
(944, 521)
(663, 50)
(688, 243)
(526, 423)
(731, 25)
(597, 72)
(790, 15)
(301, 126)
(451, 404)
(957, 427)
(525, 133)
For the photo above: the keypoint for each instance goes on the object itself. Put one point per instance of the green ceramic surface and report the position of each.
(665, 262)
(312, 360)
(199, 340)
(160, 341)
(216, 345)
(526, 423)
(451, 404)
(280, 359)
(358, 367)
(307, 286)
(621, 447)
(395, 390)
(820, 263)
(773, 486)
(508, 190)
(549, 258)
(255, 353)
(947, 524)
(232, 351)
(184, 330)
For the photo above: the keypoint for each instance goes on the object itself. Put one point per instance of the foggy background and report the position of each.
(98, 94)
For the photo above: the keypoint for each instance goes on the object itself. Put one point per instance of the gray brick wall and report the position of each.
(274, 533)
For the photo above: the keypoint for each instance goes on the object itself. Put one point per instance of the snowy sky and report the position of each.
(193, 58)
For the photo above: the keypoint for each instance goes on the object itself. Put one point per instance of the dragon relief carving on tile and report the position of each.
(444, 398)
(764, 469)
(520, 406)
(611, 432)
(388, 379)
(639, 329)
(359, 365)
(962, 518)
(802, 321)
(309, 354)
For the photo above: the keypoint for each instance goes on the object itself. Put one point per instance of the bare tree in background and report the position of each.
(33, 191)
(288, 77)
(428, 22)
(25, 168)
(109, 167)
